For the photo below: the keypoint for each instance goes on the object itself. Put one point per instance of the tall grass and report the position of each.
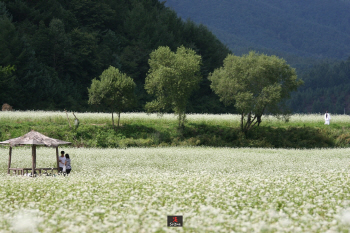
(145, 130)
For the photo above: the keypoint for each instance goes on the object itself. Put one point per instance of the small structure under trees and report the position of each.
(34, 139)
(6, 107)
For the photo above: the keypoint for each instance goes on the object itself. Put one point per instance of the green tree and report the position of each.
(109, 49)
(114, 90)
(59, 46)
(93, 14)
(85, 62)
(7, 83)
(255, 84)
(4, 12)
(172, 78)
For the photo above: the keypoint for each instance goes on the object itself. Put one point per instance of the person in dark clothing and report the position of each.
(67, 164)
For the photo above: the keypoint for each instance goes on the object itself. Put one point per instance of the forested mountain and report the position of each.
(51, 50)
(56, 47)
(313, 36)
(312, 28)
(326, 88)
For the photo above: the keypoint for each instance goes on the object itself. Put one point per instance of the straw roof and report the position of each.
(34, 138)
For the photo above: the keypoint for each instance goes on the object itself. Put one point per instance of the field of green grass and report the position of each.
(151, 130)
(214, 189)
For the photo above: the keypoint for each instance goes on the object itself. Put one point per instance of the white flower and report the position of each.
(345, 217)
(25, 221)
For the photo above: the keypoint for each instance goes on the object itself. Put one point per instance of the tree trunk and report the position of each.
(68, 119)
(9, 165)
(179, 126)
(118, 118)
(113, 119)
(259, 120)
(181, 120)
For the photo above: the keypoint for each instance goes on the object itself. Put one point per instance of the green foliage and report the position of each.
(326, 89)
(10, 43)
(4, 12)
(93, 14)
(172, 78)
(7, 83)
(160, 133)
(68, 43)
(307, 34)
(254, 84)
(114, 90)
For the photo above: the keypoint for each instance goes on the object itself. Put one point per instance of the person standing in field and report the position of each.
(327, 118)
(62, 161)
(67, 163)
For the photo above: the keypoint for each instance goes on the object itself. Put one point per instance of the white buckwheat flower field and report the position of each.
(214, 189)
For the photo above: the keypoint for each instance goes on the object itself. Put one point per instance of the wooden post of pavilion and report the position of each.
(58, 165)
(33, 159)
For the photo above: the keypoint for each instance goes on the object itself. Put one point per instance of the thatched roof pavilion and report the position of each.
(35, 139)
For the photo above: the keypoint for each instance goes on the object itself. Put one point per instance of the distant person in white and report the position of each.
(327, 118)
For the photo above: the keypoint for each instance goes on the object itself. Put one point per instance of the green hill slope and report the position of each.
(57, 47)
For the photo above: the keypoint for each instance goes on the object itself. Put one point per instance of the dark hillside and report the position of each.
(57, 47)
(312, 36)
(54, 48)
(327, 87)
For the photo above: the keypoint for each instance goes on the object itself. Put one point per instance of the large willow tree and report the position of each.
(255, 84)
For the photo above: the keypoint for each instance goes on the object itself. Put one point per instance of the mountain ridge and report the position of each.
(318, 29)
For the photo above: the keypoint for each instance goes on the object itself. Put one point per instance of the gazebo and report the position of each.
(35, 139)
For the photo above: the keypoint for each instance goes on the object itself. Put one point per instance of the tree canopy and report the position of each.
(57, 47)
(172, 78)
(254, 84)
(7, 81)
(113, 90)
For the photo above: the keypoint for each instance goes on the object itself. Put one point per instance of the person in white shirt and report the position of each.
(327, 118)
(62, 161)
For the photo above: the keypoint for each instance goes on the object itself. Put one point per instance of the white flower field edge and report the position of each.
(215, 189)
(132, 117)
